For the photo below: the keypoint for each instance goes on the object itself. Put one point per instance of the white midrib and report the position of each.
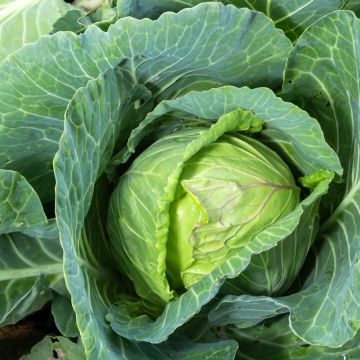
(14, 274)
(15, 7)
(293, 12)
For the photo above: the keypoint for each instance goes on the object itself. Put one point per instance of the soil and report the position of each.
(17, 340)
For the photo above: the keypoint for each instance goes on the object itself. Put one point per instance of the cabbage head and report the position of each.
(226, 193)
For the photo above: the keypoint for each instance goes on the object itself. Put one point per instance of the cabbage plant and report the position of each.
(186, 187)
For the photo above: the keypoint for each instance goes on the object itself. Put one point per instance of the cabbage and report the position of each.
(226, 194)
(183, 187)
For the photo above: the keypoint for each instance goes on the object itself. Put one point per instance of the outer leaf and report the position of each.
(28, 263)
(51, 348)
(58, 347)
(88, 139)
(70, 22)
(322, 74)
(275, 341)
(283, 121)
(78, 19)
(28, 266)
(353, 5)
(24, 21)
(90, 129)
(245, 311)
(20, 206)
(181, 349)
(177, 53)
(64, 315)
(291, 16)
(93, 120)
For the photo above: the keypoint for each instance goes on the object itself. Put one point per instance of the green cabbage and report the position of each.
(185, 187)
